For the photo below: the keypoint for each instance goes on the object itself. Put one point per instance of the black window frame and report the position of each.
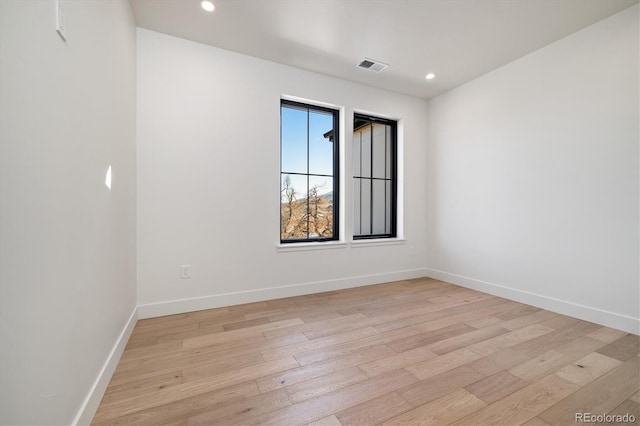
(359, 122)
(334, 136)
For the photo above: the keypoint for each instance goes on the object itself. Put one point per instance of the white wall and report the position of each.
(209, 185)
(533, 180)
(67, 270)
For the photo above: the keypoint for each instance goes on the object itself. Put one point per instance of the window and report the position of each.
(374, 177)
(308, 173)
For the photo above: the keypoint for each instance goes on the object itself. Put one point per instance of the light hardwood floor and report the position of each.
(411, 352)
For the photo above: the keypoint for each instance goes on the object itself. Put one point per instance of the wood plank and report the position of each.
(203, 356)
(555, 359)
(438, 313)
(324, 405)
(427, 338)
(136, 342)
(444, 410)
(606, 334)
(325, 384)
(178, 410)
(331, 420)
(561, 336)
(219, 366)
(195, 387)
(541, 365)
(509, 339)
(502, 360)
(346, 348)
(496, 386)
(416, 304)
(384, 305)
(519, 311)
(623, 414)
(315, 344)
(245, 323)
(439, 385)
(623, 348)
(251, 307)
(242, 410)
(448, 345)
(396, 361)
(525, 320)
(461, 295)
(200, 331)
(322, 328)
(161, 322)
(300, 374)
(580, 347)
(560, 321)
(522, 405)
(177, 359)
(151, 351)
(374, 411)
(212, 318)
(263, 314)
(600, 396)
(208, 314)
(456, 315)
(536, 422)
(587, 369)
(222, 338)
(393, 319)
(426, 282)
(319, 316)
(133, 388)
(129, 380)
(425, 369)
(302, 312)
(484, 322)
(161, 331)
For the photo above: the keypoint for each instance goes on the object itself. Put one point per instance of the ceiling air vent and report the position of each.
(372, 65)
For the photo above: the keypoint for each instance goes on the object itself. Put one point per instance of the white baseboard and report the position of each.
(172, 307)
(587, 313)
(92, 401)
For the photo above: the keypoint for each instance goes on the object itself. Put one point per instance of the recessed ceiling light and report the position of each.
(207, 5)
(430, 76)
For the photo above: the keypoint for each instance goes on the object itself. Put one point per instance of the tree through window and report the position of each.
(308, 173)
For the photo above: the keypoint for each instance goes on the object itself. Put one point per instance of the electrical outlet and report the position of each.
(185, 271)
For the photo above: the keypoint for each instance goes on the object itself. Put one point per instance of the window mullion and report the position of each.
(385, 182)
(371, 178)
(360, 181)
(308, 206)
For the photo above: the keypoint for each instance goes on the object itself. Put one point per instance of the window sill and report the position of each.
(283, 248)
(378, 242)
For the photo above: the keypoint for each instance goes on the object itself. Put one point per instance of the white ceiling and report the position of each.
(456, 39)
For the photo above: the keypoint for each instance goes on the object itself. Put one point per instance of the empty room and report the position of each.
(319, 212)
